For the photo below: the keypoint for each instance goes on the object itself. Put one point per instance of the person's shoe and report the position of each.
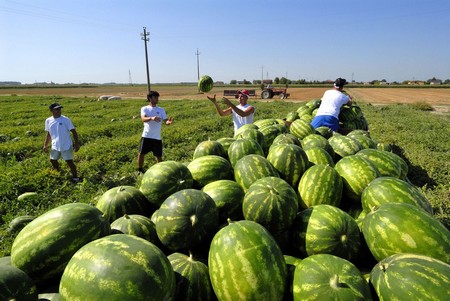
(141, 171)
(76, 180)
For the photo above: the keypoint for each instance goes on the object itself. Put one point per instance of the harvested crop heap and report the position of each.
(279, 211)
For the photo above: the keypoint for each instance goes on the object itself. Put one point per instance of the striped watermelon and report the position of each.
(320, 184)
(17, 223)
(137, 225)
(269, 134)
(317, 155)
(44, 247)
(317, 140)
(324, 131)
(427, 278)
(365, 140)
(383, 161)
(301, 128)
(344, 146)
(265, 122)
(252, 167)
(404, 228)
(254, 134)
(205, 83)
(163, 179)
(290, 161)
(209, 147)
(384, 146)
(210, 168)
(228, 196)
(245, 263)
(246, 127)
(286, 138)
(186, 218)
(325, 229)
(389, 189)
(357, 172)
(243, 147)
(328, 277)
(192, 278)
(118, 267)
(226, 142)
(271, 202)
(291, 116)
(291, 262)
(402, 163)
(121, 200)
(15, 284)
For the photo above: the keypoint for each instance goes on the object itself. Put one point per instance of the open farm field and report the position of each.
(109, 133)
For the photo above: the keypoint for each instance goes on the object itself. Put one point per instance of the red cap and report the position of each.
(245, 92)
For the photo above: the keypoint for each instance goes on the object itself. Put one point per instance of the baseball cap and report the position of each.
(340, 82)
(55, 105)
(244, 92)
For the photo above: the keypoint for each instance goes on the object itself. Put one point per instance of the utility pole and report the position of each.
(146, 39)
(262, 74)
(198, 64)
(129, 77)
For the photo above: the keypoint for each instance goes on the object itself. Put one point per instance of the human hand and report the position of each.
(226, 101)
(213, 99)
(45, 148)
(156, 118)
(76, 146)
(169, 121)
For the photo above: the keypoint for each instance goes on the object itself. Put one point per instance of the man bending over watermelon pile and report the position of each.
(330, 106)
(242, 113)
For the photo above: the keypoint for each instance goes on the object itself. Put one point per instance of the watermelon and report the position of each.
(252, 167)
(427, 278)
(366, 141)
(265, 122)
(384, 146)
(291, 116)
(404, 228)
(226, 142)
(301, 128)
(290, 161)
(286, 138)
(228, 196)
(402, 163)
(210, 168)
(320, 184)
(205, 83)
(121, 200)
(186, 218)
(245, 127)
(324, 131)
(118, 267)
(383, 161)
(28, 196)
(269, 134)
(318, 155)
(254, 134)
(344, 146)
(390, 189)
(192, 278)
(328, 277)
(163, 179)
(44, 246)
(209, 147)
(15, 284)
(137, 225)
(314, 103)
(357, 172)
(271, 202)
(291, 262)
(242, 147)
(245, 263)
(19, 222)
(325, 229)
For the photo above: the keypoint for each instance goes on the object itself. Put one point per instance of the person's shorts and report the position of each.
(326, 120)
(67, 155)
(147, 145)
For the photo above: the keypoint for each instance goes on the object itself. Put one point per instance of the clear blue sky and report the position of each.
(99, 40)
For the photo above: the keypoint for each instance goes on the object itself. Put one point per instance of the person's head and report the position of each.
(153, 97)
(55, 108)
(243, 95)
(339, 83)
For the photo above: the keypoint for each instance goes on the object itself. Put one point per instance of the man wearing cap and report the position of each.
(242, 113)
(58, 128)
(332, 101)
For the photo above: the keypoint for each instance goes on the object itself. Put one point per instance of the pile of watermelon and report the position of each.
(280, 211)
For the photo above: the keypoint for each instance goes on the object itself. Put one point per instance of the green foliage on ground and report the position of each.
(109, 132)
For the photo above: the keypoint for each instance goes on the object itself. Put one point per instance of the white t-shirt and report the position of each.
(332, 101)
(59, 129)
(152, 129)
(239, 120)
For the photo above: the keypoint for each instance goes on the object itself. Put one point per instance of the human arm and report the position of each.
(76, 142)
(243, 113)
(221, 112)
(169, 121)
(48, 139)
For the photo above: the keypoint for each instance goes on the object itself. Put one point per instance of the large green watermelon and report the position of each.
(205, 83)
(252, 167)
(404, 228)
(290, 161)
(317, 155)
(271, 202)
(301, 128)
(15, 284)
(383, 161)
(137, 225)
(411, 277)
(328, 277)
(245, 263)
(209, 147)
(210, 168)
(344, 146)
(163, 179)
(44, 247)
(121, 200)
(186, 218)
(325, 229)
(320, 184)
(242, 147)
(192, 278)
(118, 267)
(254, 134)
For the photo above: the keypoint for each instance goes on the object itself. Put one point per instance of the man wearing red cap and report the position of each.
(242, 113)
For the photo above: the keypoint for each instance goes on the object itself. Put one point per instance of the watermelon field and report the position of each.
(277, 211)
